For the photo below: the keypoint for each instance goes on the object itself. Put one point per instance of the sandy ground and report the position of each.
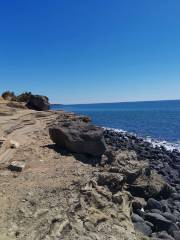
(46, 169)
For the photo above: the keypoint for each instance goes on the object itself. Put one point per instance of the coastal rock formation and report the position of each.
(156, 190)
(57, 194)
(38, 102)
(78, 137)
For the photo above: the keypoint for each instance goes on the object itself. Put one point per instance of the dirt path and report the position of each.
(46, 173)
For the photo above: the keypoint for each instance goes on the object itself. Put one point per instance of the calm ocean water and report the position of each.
(158, 120)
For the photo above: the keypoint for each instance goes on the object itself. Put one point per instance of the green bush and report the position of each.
(24, 97)
(9, 96)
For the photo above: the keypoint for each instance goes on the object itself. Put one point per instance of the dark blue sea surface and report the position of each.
(158, 120)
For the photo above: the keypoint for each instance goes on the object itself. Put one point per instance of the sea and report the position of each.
(157, 122)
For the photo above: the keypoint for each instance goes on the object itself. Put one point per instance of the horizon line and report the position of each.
(136, 101)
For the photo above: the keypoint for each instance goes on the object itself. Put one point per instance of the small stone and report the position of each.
(169, 216)
(160, 222)
(173, 228)
(156, 211)
(176, 235)
(164, 235)
(149, 224)
(153, 204)
(164, 205)
(143, 228)
(176, 196)
(17, 166)
(14, 144)
(136, 218)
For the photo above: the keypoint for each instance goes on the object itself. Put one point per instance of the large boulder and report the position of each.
(78, 137)
(38, 102)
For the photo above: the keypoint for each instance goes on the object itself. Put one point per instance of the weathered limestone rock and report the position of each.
(114, 181)
(149, 186)
(126, 163)
(102, 213)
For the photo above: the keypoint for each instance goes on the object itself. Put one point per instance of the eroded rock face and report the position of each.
(114, 181)
(141, 181)
(38, 102)
(107, 212)
(78, 137)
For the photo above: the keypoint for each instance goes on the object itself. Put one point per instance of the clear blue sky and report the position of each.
(79, 51)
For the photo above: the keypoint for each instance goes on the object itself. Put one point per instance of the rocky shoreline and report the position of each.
(63, 178)
(163, 211)
(149, 173)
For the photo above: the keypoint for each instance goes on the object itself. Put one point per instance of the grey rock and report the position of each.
(143, 228)
(169, 216)
(156, 211)
(164, 205)
(160, 222)
(38, 102)
(149, 224)
(175, 196)
(164, 235)
(153, 204)
(17, 166)
(173, 228)
(79, 137)
(136, 218)
(176, 235)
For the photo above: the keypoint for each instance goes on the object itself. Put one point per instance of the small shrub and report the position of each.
(24, 97)
(9, 96)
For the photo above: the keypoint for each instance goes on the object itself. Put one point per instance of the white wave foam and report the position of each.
(155, 143)
(167, 145)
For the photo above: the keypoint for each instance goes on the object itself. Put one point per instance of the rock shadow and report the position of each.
(84, 158)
